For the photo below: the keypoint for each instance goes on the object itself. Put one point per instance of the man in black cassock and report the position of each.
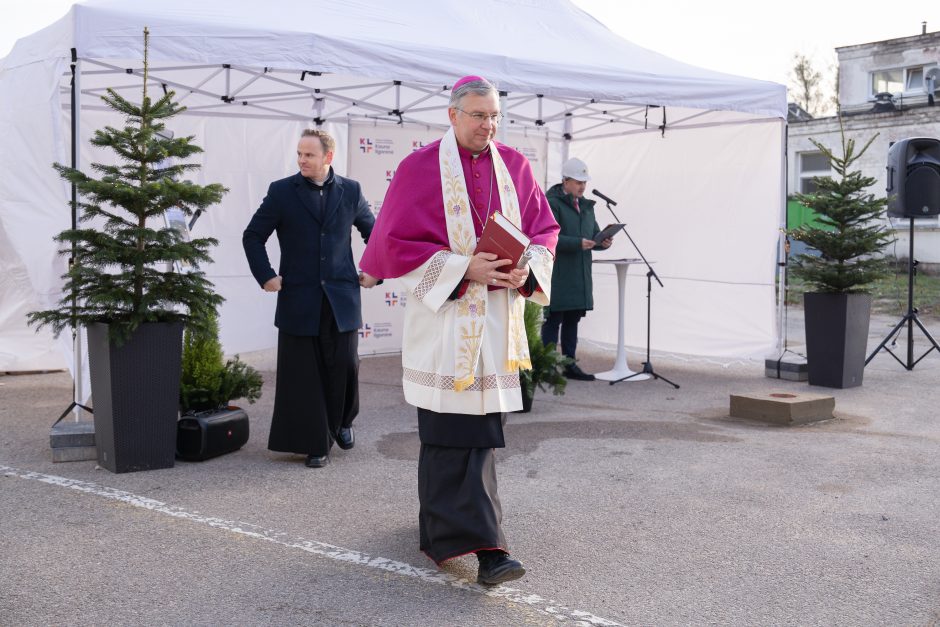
(319, 310)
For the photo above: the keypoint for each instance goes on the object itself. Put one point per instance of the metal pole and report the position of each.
(911, 270)
(77, 345)
(501, 129)
(566, 141)
(782, 260)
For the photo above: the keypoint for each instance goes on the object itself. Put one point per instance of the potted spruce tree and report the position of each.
(849, 242)
(210, 425)
(548, 365)
(121, 285)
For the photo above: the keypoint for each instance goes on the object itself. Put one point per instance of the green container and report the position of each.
(799, 214)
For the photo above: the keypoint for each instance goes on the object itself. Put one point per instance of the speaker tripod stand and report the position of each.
(910, 318)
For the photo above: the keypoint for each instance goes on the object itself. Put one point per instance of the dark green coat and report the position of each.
(571, 278)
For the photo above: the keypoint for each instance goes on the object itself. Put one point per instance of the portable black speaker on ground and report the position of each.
(210, 434)
(914, 178)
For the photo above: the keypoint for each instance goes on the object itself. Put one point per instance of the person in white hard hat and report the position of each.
(572, 288)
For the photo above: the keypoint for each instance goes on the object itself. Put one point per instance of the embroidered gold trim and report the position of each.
(446, 382)
(462, 239)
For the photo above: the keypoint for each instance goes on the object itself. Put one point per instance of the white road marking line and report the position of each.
(514, 595)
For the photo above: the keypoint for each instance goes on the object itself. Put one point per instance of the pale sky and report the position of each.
(744, 37)
(756, 38)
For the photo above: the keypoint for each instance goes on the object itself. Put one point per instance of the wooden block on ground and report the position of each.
(783, 408)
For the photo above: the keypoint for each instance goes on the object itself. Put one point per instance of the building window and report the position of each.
(887, 81)
(908, 80)
(812, 164)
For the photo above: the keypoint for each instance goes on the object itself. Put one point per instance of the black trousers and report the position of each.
(460, 511)
(568, 321)
(317, 390)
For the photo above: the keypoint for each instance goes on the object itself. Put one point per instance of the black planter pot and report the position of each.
(135, 389)
(836, 338)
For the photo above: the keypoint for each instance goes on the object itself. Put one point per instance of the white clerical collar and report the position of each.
(472, 155)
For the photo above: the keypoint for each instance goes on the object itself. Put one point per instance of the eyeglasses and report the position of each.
(480, 118)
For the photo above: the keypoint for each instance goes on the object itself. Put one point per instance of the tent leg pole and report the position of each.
(567, 131)
(78, 379)
(501, 129)
(782, 253)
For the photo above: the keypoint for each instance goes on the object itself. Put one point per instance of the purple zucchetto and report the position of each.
(467, 79)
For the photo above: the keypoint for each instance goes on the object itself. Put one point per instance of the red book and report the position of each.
(504, 239)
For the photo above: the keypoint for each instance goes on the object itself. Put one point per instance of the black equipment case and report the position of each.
(210, 434)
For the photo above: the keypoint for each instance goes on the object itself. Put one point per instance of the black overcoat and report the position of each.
(316, 251)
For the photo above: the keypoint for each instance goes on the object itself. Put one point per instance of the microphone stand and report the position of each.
(650, 275)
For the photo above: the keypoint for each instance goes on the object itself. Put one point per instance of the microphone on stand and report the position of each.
(603, 197)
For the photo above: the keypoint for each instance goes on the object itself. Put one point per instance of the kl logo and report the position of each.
(391, 299)
(388, 175)
(365, 145)
(365, 330)
(416, 144)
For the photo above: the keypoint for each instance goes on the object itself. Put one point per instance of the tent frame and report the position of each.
(554, 116)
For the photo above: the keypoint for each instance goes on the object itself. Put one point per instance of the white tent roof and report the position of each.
(276, 66)
(547, 47)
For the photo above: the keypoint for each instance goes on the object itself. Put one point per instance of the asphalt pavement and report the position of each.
(632, 504)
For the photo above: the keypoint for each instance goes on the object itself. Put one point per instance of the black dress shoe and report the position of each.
(317, 461)
(346, 438)
(574, 372)
(497, 567)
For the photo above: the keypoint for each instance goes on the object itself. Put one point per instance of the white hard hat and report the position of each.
(575, 169)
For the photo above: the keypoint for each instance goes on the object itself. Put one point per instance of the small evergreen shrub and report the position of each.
(548, 365)
(208, 382)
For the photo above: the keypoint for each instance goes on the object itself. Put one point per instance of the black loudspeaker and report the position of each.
(210, 434)
(914, 178)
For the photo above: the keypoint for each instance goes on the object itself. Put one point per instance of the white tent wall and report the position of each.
(33, 200)
(248, 117)
(711, 239)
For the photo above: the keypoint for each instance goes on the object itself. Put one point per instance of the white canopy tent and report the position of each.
(695, 158)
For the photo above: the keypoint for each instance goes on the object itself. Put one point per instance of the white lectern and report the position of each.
(620, 369)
